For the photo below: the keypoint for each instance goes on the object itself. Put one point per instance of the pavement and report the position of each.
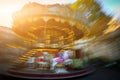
(104, 73)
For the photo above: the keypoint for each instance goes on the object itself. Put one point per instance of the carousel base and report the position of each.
(49, 74)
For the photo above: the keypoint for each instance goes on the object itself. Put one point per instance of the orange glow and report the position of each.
(8, 7)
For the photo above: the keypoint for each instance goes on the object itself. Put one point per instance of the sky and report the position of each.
(7, 7)
(111, 7)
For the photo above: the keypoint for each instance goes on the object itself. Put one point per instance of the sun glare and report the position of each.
(7, 8)
(6, 19)
(6, 12)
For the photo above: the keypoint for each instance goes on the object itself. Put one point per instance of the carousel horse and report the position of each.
(62, 58)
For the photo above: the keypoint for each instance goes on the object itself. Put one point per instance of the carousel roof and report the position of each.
(48, 24)
(55, 24)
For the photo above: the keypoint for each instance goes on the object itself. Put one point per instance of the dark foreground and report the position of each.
(105, 73)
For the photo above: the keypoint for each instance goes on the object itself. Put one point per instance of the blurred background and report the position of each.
(101, 29)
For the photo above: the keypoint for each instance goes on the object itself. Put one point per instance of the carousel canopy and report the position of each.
(48, 24)
(59, 25)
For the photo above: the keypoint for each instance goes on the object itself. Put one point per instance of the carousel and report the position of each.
(51, 37)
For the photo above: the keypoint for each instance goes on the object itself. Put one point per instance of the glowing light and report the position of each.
(6, 12)
(8, 7)
(6, 17)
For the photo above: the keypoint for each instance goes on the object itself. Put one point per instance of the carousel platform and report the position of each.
(40, 74)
